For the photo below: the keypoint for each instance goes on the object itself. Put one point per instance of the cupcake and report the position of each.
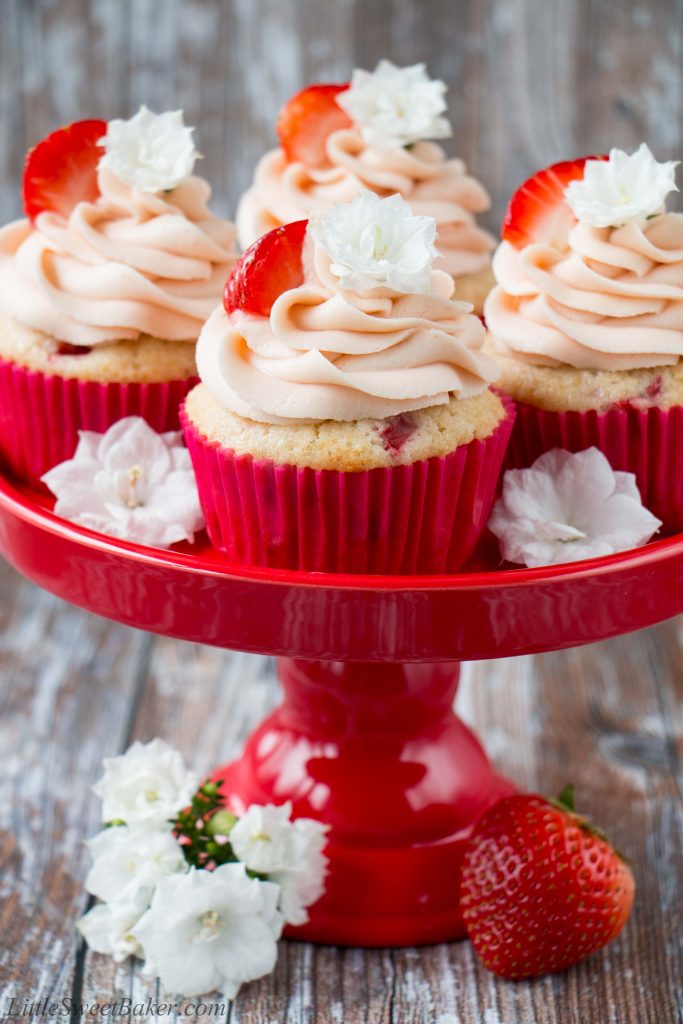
(586, 320)
(337, 140)
(104, 286)
(344, 420)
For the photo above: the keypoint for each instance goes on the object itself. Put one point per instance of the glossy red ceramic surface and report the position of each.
(485, 613)
(377, 753)
(365, 739)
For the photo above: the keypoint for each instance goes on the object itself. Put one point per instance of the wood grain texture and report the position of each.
(74, 688)
(530, 81)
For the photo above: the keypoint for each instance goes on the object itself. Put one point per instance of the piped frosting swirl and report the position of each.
(433, 185)
(327, 353)
(612, 301)
(130, 263)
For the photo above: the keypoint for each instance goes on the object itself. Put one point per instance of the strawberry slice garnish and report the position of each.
(306, 121)
(538, 212)
(269, 267)
(61, 171)
(540, 888)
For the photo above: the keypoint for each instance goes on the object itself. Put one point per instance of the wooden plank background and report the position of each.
(530, 81)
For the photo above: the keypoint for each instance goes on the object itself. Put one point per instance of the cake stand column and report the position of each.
(375, 751)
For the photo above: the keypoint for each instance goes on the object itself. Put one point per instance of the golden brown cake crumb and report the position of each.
(145, 360)
(350, 446)
(564, 388)
(474, 288)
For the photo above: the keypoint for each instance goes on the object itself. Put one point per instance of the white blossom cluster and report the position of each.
(198, 929)
(394, 107)
(152, 152)
(622, 188)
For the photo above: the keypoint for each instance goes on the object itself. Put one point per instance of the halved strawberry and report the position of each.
(269, 267)
(306, 121)
(61, 171)
(538, 212)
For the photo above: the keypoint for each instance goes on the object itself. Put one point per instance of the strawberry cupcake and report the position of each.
(104, 286)
(586, 320)
(337, 140)
(344, 420)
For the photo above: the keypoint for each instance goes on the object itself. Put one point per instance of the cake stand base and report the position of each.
(367, 743)
(376, 752)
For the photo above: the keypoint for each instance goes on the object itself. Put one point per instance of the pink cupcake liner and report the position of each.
(421, 518)
(41, 414)
(647, 442)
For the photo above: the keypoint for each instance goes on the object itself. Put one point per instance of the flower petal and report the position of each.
(130, 483)
(567, 507)
(153, 152)
(624, 187)
(395, 106)
(375, 242)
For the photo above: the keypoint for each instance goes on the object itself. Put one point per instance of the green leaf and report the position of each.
(565, 799)
(198, 825)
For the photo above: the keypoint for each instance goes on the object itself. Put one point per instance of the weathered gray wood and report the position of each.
(68, 692)
(606, 716)
(530, 81)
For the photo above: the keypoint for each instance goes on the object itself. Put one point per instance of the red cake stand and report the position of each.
(366, 738)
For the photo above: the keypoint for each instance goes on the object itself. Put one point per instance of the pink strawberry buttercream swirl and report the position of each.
(130, 263)
(434, 186)
(326, 353)
(613, 301)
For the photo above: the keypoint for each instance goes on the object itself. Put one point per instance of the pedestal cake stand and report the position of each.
(366, 738)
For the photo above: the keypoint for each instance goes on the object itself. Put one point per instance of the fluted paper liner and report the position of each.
(646, 442)
(41, 414)
(425, 517)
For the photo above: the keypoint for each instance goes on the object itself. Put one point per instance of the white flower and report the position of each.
(290, 852)
(210, 930)
(148, 784)
(129, 483)
(395, 106)
(302, 884)
(622, 188)
(107, 928)
(263, 837)
(153, 152)
(129, 861)
(567, 507)
(376, 243)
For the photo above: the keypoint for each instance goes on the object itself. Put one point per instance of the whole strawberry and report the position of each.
(540, 888)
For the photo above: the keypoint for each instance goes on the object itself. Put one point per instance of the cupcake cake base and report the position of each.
(49, 391)
(635, 418)
(565, 388)
(144, 360)
(646, 442)
(419, 505)
(474, 288)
